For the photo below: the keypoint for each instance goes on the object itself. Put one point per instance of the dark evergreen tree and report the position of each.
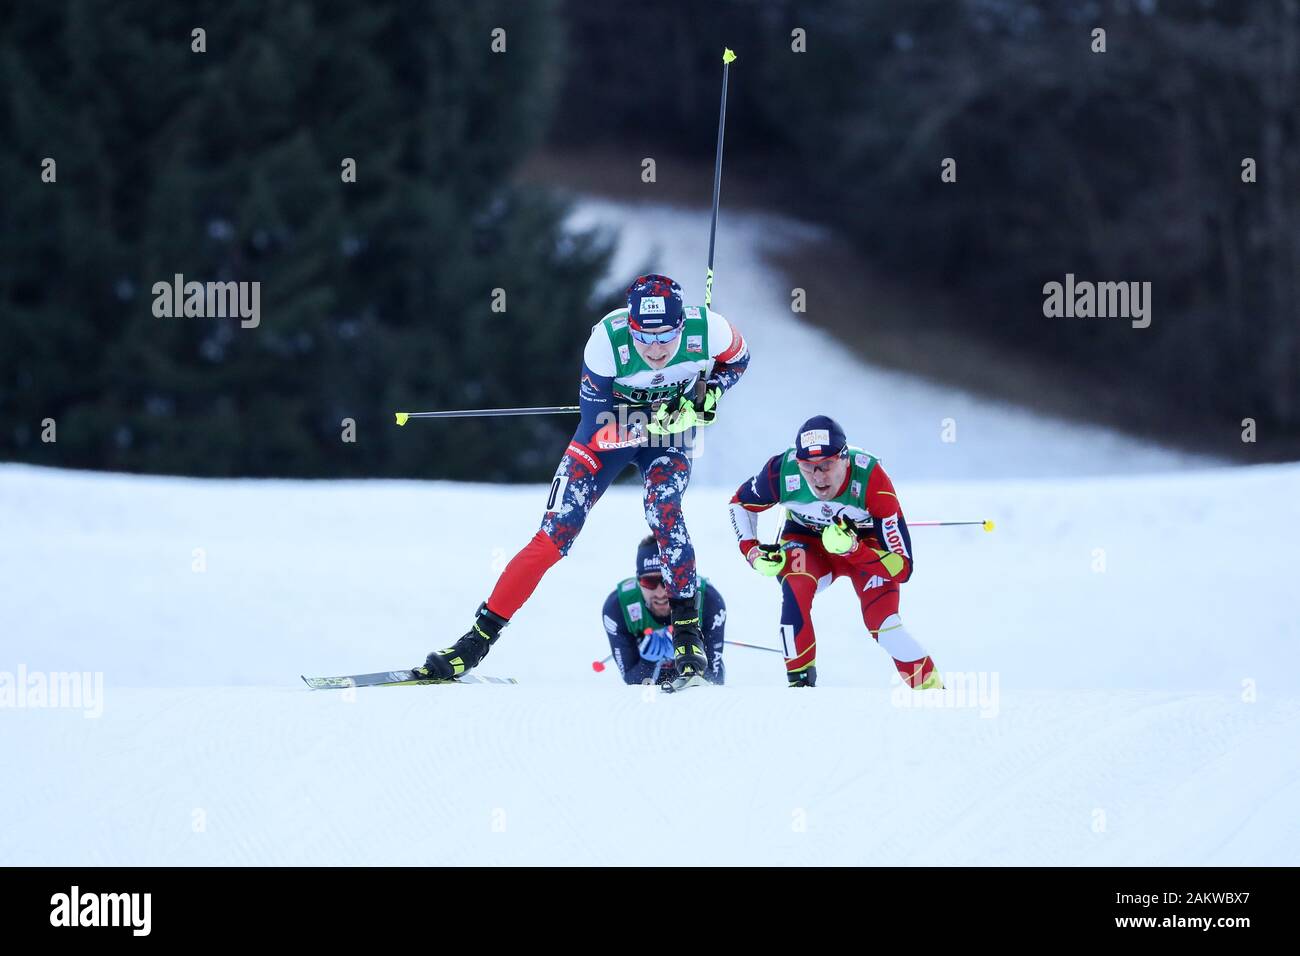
(1123, 165)
(225, 165)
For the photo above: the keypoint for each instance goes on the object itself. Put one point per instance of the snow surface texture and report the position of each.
(799, 370)
(1123, 655)
(1146, 713)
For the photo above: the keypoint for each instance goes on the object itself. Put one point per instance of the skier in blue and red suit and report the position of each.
(843, 520)
(652, 373)
(635, 616)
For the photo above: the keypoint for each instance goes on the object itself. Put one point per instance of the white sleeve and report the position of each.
(744, 522)
(724, 338)
(598, 356)
(720, 334)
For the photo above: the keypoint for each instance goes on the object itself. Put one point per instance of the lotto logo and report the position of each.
(619, 323)
(651, 305)
(893, 537)
(694, 343)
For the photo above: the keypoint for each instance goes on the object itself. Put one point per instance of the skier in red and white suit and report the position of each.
(843, 521)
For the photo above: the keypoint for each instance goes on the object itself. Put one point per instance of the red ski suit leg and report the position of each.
(809, 567)
(806, 564)
(879, 597)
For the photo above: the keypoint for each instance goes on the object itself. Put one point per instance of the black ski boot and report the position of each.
(804, 678)
(451, 662)
(688, 640)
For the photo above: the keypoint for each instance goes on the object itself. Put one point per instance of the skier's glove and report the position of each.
(706, 407)
(766, 559)
(656, 646)
(840, 536)
(670, 418)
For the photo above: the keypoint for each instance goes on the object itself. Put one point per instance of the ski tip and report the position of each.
(402, 417)
(988, 525)
(727, 55)
(683, 683)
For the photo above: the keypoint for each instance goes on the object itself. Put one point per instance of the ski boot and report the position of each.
(933, 682)
(450, 662)
(688, 640)
(802, 678)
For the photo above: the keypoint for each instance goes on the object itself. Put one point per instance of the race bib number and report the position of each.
(556, 497)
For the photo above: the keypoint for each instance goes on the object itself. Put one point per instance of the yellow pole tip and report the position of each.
(727, 55)
(988, 525)
(402, 418)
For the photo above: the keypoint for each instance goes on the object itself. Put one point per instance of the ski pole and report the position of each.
(404, 417)
(987, 524)
(727, 57)
(757, 647)
(599, 666)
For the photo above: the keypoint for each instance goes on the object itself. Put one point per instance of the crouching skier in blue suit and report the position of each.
(636, 618)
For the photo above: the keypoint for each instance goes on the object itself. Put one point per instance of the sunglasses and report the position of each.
(654, 583)
(821, 466)
(653, 338)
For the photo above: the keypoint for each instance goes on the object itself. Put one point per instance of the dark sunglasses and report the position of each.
(651, 338)
(653, 583)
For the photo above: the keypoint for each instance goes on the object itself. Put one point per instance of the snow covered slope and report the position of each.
(895, 416)
(1125, 656)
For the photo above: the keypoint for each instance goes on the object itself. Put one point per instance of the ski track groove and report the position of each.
(203, 707)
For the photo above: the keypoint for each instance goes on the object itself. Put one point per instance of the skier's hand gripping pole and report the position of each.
(766, 559)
